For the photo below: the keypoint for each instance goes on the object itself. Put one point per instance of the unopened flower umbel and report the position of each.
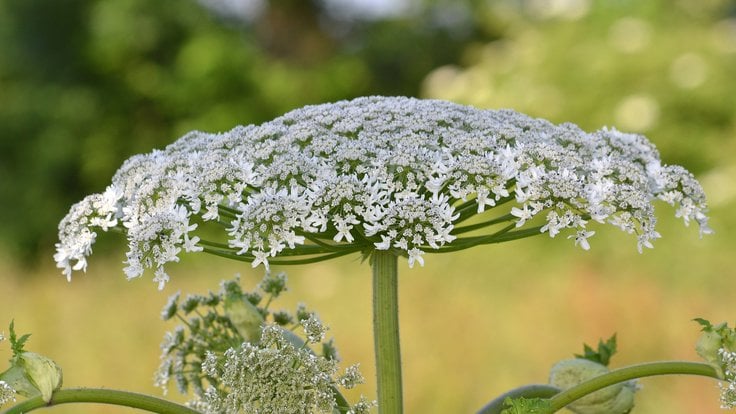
(230, 370)
(407, 175)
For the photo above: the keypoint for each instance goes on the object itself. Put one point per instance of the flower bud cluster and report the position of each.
(273, 376)
(238, 356)
(7, 393)
(728, 389)
(717, 345)
(386, 173)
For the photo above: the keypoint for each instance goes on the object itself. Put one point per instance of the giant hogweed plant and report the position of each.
(379, 177)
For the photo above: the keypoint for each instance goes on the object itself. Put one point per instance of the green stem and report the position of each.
(249, 259)
(103, 396)
(465, 229)
(628, 373)
(503, 235)
(386, 331)
(343, 406)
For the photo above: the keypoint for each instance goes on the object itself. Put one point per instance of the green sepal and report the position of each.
(42, 372)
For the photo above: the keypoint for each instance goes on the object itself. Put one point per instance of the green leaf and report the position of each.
(604, 353)
(16, 344)
(704, 323)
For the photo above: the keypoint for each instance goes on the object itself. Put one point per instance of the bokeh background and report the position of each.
(84, 84)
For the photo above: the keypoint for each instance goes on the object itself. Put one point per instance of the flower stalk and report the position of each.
(102, 396)
(386, 331)
(572, 394)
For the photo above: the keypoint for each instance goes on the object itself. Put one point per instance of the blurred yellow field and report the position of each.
(474, 323)
(94, 82)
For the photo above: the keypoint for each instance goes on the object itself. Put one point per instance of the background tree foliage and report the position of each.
(663, 68)
(85, 83)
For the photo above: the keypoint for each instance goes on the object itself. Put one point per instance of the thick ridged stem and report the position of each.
(386, 331)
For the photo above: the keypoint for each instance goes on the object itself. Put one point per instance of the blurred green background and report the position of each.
(84, 84)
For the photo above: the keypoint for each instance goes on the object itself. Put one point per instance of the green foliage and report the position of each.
(658, 67)
(603, 354)
(17, 344)
(87, 83)
(707, 326)
(713, 341)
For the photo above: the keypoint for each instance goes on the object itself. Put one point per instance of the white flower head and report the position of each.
(273, 376)
(7, 393)
(314, 329)
(390, 173)
(351, 377)
(728, 386)
(415, 255)
(581, 238)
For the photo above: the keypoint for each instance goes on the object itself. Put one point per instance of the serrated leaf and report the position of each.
(604, 353)
(16, 344)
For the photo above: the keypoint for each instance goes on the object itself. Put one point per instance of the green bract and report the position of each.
(614, 399)
(717, 345)
(30, 374)
(244, 316)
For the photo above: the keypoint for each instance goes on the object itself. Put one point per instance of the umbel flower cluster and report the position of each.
(728, 387)
(386, 173)
(7, 393)
(236, 355)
